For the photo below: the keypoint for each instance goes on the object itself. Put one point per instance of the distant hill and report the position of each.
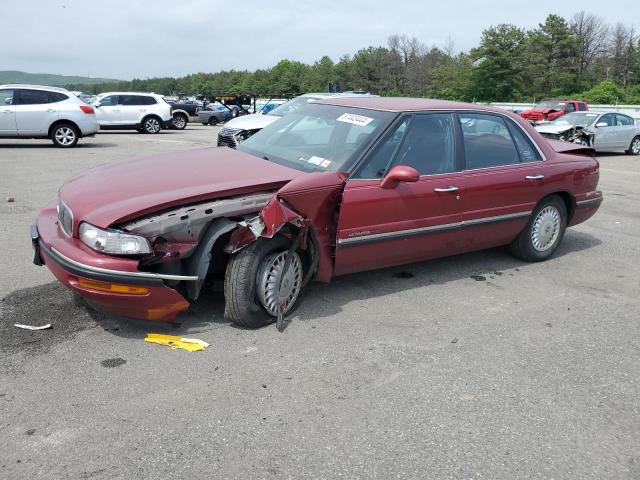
(11, 76)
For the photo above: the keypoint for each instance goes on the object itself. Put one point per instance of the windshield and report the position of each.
(551, 104)
(318, 137)
(291, 106)
(576, 119)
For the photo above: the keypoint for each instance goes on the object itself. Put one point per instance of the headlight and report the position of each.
(112, 241)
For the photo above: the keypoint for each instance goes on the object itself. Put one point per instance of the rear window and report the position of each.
(39, 97)
(147, 101)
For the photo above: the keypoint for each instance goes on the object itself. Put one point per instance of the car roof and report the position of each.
(404, 104)
(35, 87)
(130, 93)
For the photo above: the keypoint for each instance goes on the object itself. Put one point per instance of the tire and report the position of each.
(180, 121)
(64, 135)
(634, 146)
(247, 271)
(151, 125)
(235, 111)
(544, 232)
(205, 123)
(213, 120)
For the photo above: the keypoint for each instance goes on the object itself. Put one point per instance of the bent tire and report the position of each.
(634, 147)
(544, 232)
(64, 135)
(180, 121)
(151, 125)
(251, 282)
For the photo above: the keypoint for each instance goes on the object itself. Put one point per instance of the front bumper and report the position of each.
(71, 262)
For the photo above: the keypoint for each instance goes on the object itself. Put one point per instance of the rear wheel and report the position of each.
(64, 135)
(180, 121)
(544, 232)
(634, 147)
(254, 286)
(151, 125)
(213, 120)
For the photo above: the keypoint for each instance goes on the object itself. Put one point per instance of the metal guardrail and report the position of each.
(631, 110)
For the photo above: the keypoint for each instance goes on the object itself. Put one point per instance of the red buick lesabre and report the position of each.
(339, 186)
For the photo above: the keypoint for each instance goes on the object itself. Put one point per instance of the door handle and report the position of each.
(447, 189)
(116, 110)
(7, 111)
(534, 177)
(50, 110)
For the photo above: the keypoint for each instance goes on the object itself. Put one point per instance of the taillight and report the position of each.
(87, 109)
(197, 110)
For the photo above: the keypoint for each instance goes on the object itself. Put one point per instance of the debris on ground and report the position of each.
(11, 199)
(189, 344)
(32, 327)
(403, 275)
(455, 340)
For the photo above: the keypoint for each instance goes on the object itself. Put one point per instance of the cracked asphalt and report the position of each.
(477, 366)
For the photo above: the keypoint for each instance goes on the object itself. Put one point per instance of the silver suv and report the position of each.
(145, 112)
(32, 111)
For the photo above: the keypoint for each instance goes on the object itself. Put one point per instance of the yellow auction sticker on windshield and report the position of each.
(359, 120)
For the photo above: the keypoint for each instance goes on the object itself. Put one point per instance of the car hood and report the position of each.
(543, 111)
(111, 194)
(252, 122)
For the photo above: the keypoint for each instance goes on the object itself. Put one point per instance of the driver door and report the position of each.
(410, 221)
(108, 113)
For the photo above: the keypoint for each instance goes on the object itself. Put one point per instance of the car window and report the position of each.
(623, 120)
(6, 96)
(109, 101)
(147, 101)
(582, 107)
(428, 145)
(33, 97)
(57, 97)
(608, 119)
(130, 100)
(377, 164)
(571, 107)
(526, 149)
(487, 141)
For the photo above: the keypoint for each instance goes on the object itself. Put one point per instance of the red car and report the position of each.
(340, 186)
(549, 110)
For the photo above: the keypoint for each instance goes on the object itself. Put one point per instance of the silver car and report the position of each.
(32, 111)
(602, 131)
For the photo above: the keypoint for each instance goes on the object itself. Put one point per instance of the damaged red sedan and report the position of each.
(339, 186)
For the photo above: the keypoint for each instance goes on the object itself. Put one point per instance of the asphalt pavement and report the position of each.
(477, 366)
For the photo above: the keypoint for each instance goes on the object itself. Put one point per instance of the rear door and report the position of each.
(380, 227)
(108, 110)
(7, 112)
(625, 130)
(503, 180)
(134, 107)
(36, 111)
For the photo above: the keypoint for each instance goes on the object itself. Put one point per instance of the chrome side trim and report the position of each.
(590, 201)
(381, 237)
(153, 276)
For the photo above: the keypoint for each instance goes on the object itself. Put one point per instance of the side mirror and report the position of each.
(97, 105)
(602, 124)
(399, 173)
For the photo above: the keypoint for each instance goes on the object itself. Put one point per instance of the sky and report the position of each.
(127, 39)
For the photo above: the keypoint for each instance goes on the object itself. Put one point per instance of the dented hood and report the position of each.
(111, 194)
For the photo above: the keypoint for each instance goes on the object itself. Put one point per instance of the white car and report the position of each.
(33, 111)
(145, 112)
(241, 128)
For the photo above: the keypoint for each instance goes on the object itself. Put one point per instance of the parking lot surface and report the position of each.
(478, 366)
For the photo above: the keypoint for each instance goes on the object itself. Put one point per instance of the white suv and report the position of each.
(32, 111)
(145, 112)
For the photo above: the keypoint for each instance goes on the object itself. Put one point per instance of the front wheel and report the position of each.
(254, 287)
(634, 147)
(544, 232)
(64, 135)
(151, 125)
(213, 120)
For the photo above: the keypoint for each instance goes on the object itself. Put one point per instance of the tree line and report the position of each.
(582, 57)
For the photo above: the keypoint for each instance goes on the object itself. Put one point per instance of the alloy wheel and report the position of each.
(635, 146)
(65, 136)
(275, 289)
(546, 228)
(152, 125)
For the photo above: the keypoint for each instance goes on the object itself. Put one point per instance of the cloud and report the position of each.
(133, 38)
